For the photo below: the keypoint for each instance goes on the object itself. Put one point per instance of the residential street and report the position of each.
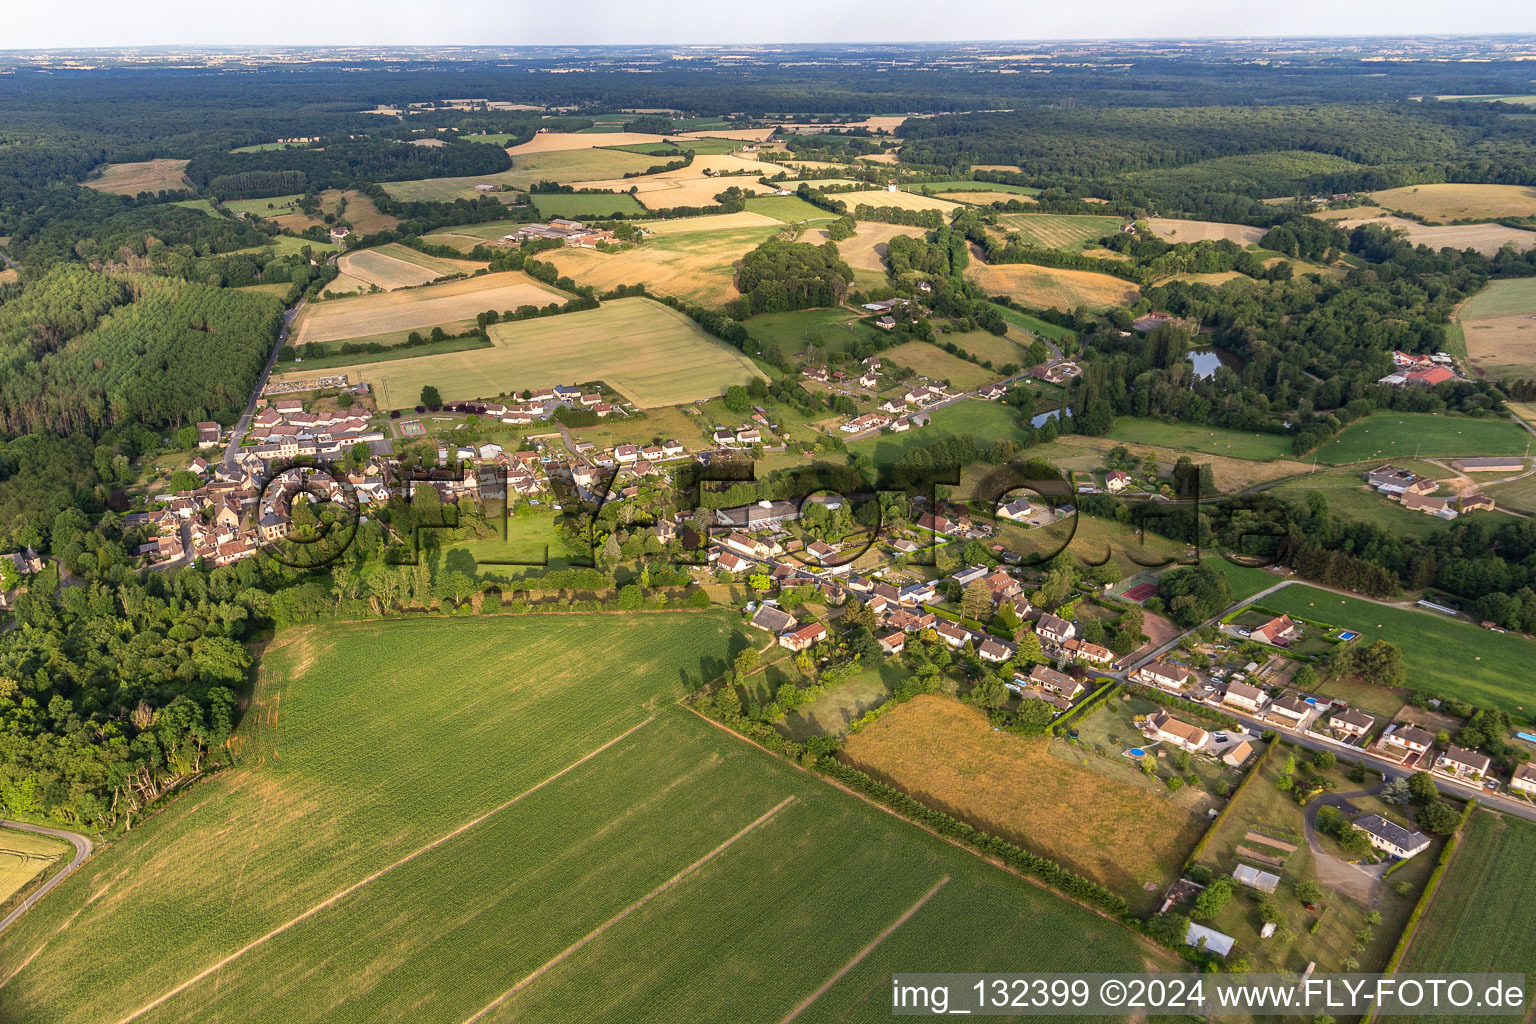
(244, 423)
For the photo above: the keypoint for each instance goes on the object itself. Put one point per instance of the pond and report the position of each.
(1206, 361)
(1055, 414)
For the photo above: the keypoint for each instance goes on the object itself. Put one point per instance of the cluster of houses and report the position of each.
(1423, 371)
(284, 431)
(570, 232)
(1418, 492)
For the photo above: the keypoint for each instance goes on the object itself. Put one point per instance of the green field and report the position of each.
(1348, 495)
(1279, 173)
(1423, 435)
(986, 421)
(1245, 581)
(1443, 656)
(591, 204)
(1070, 231)
(1034, 325)
(537, 838)
(1236, 444)
(287, 245)
(205, 205)
(789, 209)
(833, 329)
(1479, 919)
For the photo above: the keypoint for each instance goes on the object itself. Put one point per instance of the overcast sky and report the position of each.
(32, 24)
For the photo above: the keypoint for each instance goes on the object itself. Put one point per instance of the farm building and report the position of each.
(1501, 464)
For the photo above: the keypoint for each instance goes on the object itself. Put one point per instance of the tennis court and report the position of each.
(1140, 592)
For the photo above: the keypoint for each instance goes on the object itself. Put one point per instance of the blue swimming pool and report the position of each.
(1138, 752)
(1348, 635)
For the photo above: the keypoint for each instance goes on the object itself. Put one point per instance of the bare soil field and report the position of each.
(419, 307)
(1448, 202)
(1485, 238)
(144, 176)
(946, 754)
(1171, 230)
(395, 266)
(1049, 286)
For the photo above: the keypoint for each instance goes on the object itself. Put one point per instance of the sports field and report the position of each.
(144, 176)
(692, 258)
(1070, 231)
(1424, 435)
(24, 856)
(1479, 919)
(395, 266)
(1487, 239)
(1443, 656)
(1498, 325)
(1170, 230)
(1448, 202)
(591, 850)
(1049, 286)
(449, 303)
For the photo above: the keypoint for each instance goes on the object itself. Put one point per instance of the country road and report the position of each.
(244, 423)
(83, 847)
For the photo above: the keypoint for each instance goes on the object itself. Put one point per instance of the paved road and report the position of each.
(244, 423)
(83, 848)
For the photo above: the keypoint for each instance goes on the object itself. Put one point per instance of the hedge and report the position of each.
(1210, 833)
(1095, 699)
(1043, 868)
(1428, 894)
(1167, 700)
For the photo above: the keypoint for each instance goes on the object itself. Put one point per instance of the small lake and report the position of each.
(1206, 360)
(1045, 417)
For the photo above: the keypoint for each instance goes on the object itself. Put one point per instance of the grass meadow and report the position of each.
(1443, 656)
(788, 209)
(1394, 435)
(1479, 919)
(589, 204)
(1237, 444)
(1448, 202)
(144, 176)
(521, 834)
(1070, 231)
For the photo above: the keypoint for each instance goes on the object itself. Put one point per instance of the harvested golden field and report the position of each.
(344, 284)
(357, 209)
(1215, 280)
(946, 754)
(736, 134)
(396, 266)
(565, 166)
(1072, 232)
(1170, 230)
(553, 142)
(881, 158)
(8, 275)
(985, 198)
(419, 308)
(866, 249)
(144, 176)
(651, 354)
(1049, 286)
(901, 200)
(1499, 325)
(687, 186)
(690, 260)
(1448, 202)
(1485, 238)
(996, 167)
(24, 856)
(933, 362)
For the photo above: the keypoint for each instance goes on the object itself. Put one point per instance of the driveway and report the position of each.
(1362, 881)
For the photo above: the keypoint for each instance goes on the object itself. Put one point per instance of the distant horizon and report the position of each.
(98, 25)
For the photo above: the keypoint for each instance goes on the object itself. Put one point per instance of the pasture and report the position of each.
(985, 421)
(1448, 202)
(692, 258)
(965, 185)
(24, 856)
(1111, 830)
(1236, 444)
(1479, 917)
(443, 304)
(651, 866)
(552, 204)
(787, 209)
(1053, 287)
(1422, 435)
(396, 266)
(1498, 327)
(1072, 232)
(465, 237)
(933, 362)
(1487, 239)
(143, 176)
(1170, 230)
(1348, 495)
(1437, 651)
(282, 210)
